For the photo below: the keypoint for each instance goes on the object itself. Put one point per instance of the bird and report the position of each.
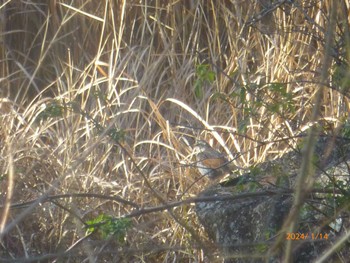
(210, 162)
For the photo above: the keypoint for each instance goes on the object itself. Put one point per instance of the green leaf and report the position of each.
(117, 135)
(107, 226)
(54, 109)
(346, 130)
(243, 95)
(198, 89)
(203, 75)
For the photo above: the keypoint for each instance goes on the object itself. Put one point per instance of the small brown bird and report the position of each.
(210, 162)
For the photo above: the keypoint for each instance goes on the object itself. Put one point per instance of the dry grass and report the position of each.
(97, 97)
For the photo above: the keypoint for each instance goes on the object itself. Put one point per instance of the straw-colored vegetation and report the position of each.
(98, 100)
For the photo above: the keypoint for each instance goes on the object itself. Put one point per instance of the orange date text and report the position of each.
(305, 236)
